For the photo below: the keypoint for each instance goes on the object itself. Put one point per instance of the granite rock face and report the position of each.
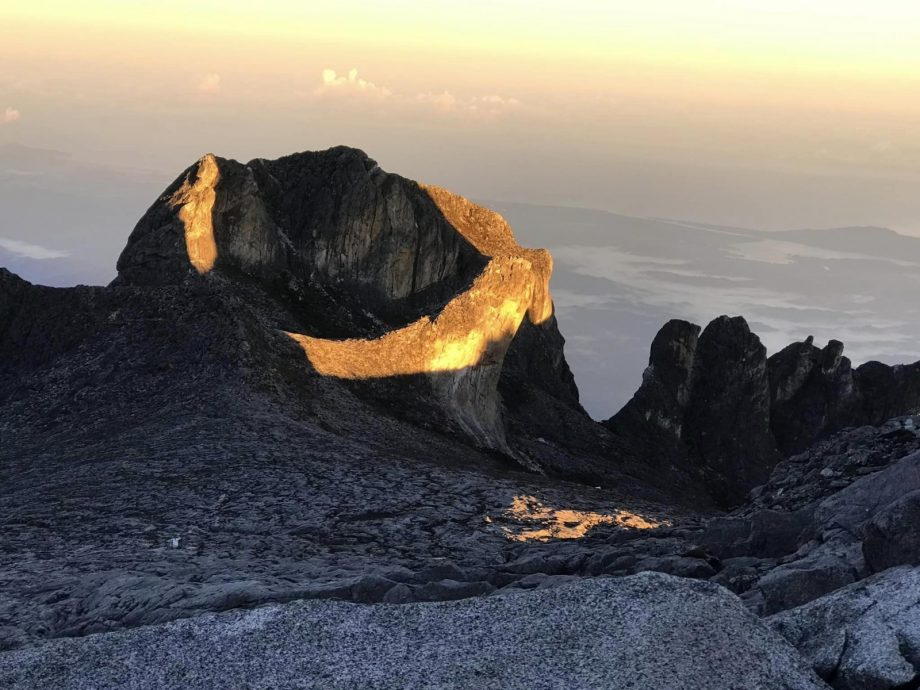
(812, 391)
(660, 404)
(728, 412)
(390, 280)
(864, 636)
(717, 405)
(646, 631)
(330, 218)
(314, 380)
(167, 447)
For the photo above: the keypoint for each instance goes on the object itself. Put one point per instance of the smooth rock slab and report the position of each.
(646, 631)
(865, 636)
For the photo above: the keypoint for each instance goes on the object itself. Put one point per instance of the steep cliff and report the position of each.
(390, 282)
(703, 406)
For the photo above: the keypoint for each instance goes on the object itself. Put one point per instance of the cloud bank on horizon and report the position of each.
(27, 250)
(444, 101)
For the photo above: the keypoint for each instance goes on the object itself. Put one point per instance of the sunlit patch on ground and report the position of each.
(538, 522)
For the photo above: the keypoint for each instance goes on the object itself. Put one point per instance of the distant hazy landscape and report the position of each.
(618, 279)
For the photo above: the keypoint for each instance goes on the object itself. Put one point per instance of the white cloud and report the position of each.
(30, 251)
(9, 116)
(443, 102)
(783, 252)
(210, 83)
(350, 82)
(493, 105)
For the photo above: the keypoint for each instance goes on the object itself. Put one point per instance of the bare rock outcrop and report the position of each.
(390, 280)
(715, 404)
(704, 405)
(866, 635)
(813, 390)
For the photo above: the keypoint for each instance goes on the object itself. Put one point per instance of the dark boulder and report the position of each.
(824, 570)
(892, 536)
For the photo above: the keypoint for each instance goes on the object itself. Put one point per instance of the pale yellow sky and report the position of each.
(783, 113)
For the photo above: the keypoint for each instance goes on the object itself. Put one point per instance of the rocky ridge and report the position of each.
(713, 402)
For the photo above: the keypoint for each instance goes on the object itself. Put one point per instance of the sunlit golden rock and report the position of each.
(195, 203)
(465, 344)
(538, 522)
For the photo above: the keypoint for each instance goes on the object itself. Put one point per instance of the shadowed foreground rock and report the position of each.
(646, 631)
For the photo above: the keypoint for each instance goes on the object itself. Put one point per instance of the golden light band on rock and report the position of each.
(195, 201)
(475, 328)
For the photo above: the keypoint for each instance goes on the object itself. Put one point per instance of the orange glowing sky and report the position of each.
(771, 114)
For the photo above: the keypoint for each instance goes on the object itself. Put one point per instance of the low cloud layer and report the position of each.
(27, 250)
(618, 279)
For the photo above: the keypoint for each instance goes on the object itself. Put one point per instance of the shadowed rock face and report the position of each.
(728, 410)
(812, 390)
(704, 403)
(332, 220)
(716, 404)
(815, 391)
(422, 281)
(662, 399)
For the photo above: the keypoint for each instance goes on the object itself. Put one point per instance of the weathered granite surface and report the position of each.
(864, 636)
(424, 282)
(646, 631)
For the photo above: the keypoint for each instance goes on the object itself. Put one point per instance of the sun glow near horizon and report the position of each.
(812, 88)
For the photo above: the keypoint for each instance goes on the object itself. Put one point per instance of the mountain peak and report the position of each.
(421, 280)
